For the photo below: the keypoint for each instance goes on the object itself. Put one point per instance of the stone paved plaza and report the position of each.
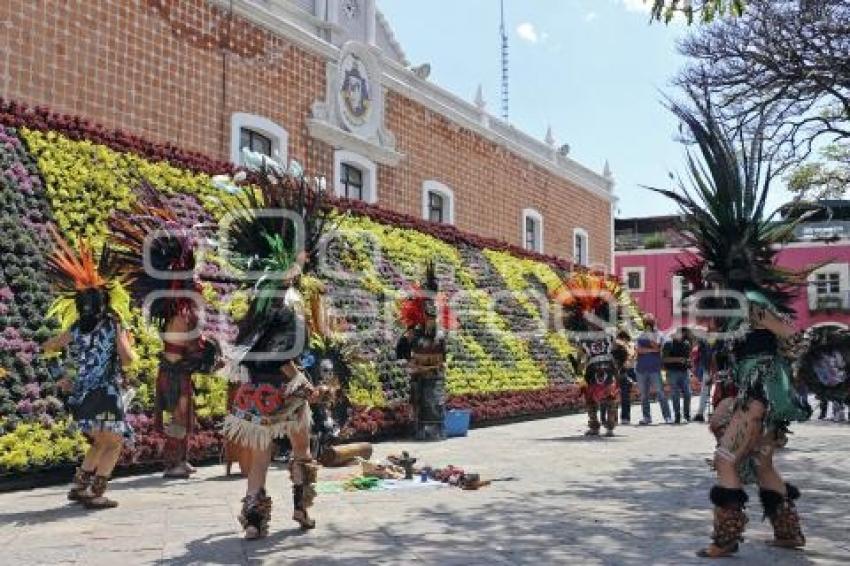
(639, 498)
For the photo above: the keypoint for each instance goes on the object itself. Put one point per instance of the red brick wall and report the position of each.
(171, 70)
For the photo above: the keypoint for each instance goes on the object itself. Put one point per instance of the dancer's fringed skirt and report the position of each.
(267, 409)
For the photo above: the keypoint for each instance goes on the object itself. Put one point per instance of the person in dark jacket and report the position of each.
(676, 356)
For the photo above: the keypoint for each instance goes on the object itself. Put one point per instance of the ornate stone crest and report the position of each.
(355, 91)
(359, 95)
(352, 114)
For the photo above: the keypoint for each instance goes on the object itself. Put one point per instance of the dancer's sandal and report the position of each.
(303, 520)
(94, 496)
(79, 492)
(176, 472)
(730, 520)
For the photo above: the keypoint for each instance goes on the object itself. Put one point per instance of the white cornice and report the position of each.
(294, 25)
(790, 245)
(338, 138)
(294, 28)
(653, 251)
(468, 116)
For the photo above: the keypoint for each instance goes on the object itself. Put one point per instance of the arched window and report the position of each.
(257, 134)
(532, 230)
(438, 203)
(355, 177)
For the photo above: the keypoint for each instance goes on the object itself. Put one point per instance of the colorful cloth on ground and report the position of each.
(96, 401)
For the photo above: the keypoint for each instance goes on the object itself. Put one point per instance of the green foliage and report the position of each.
(705, 11)
(210, 395)
(825, 179)
(655, 242)
(724, 212)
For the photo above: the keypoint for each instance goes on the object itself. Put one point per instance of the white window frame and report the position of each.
(678, 286)
(367, 166)
(583, 233)
(444, 191)
(843, 271)
(641, 271)
(275, 132)
(538, 220)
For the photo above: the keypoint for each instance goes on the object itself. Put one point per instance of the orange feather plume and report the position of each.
(583, 292)
(74, 268)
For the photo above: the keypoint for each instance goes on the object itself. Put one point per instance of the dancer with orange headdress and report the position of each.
(589, 302)
(91, 308)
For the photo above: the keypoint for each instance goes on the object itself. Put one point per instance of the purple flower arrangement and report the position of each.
(25, 293)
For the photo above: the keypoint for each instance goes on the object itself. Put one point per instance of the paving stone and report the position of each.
(640, 498)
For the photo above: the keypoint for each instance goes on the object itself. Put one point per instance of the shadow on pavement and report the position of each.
(664, 518)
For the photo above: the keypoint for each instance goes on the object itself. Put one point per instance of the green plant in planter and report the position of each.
(655, 242)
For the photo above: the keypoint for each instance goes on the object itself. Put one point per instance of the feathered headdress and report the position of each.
(424, 301)
(76, 271)
(585, 293)
(171, 255)
(723, 216)
(272, 219)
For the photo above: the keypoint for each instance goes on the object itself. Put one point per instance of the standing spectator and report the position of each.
(648, 370)
(822, 405)
(676, 357)
(702, 360)
(838, 412)
(625, 356)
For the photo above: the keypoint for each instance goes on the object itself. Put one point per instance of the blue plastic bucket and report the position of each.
(456, 422)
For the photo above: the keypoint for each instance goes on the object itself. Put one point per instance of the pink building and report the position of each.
(648, 251)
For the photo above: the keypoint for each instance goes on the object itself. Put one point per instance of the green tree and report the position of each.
(703, 10)
(828, 178)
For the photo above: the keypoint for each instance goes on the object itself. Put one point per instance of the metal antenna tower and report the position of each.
(504, 34)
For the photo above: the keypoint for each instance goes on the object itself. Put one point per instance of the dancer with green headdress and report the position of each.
(735, 271)
(270, 237)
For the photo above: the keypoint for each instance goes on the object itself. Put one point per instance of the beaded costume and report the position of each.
(735, 272)
(272, 397)
(424, 346)
(587, 301)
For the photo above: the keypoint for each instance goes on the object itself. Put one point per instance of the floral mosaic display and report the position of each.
(505, 359)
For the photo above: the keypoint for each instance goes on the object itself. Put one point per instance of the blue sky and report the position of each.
(594, 70)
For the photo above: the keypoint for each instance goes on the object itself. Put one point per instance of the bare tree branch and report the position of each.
(782, 68)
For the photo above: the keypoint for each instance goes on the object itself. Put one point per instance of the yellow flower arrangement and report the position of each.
(32, 445)
(364, 386)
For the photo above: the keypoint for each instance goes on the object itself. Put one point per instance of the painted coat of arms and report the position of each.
(355, 90)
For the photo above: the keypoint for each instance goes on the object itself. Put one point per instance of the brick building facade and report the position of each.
(206, 75)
